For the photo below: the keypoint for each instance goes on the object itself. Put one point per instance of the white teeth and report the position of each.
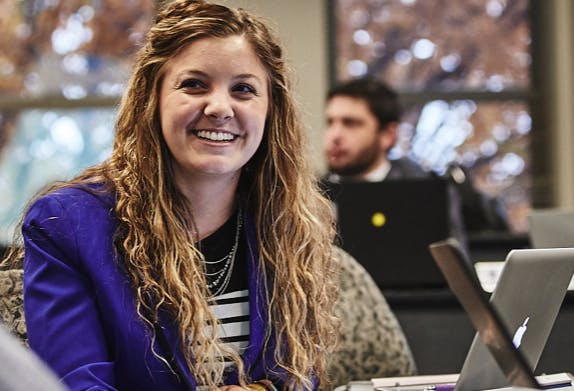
(215, 136)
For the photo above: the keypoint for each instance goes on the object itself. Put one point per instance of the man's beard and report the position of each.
(364, 161)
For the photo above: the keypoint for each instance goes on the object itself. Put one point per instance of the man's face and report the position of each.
(352, 137)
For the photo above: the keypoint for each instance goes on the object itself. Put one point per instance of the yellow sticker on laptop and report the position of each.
(378, 219)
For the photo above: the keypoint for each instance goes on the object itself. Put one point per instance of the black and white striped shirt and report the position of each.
(232, 305)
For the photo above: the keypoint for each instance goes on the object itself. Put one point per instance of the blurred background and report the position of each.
(487, 84)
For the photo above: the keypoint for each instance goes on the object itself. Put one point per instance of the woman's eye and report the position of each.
(191, 84)
(244, 88)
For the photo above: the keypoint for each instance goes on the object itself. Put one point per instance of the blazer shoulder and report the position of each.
(83, 208)
(77, 196)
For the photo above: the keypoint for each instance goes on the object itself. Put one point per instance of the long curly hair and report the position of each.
(295, 223)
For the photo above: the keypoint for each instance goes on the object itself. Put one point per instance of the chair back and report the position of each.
(12, 303)
(372, 342)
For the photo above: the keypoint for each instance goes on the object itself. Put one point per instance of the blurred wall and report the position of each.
(561, 112)
(302, 27)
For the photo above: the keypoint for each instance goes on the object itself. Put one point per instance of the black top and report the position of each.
(218, 245)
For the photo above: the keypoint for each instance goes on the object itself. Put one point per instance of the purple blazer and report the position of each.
(80, 310)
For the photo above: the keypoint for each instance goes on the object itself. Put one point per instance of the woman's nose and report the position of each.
(219, 106)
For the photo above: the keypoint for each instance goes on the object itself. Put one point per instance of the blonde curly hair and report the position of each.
(295, 223)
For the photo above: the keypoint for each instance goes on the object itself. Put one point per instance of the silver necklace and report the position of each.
(223, 275)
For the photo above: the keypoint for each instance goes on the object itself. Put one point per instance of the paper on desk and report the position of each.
(564, 379)
(363, 385)
(556, 379)
(489, 271)
(414, 380)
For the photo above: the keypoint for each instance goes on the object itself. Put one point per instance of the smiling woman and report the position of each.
(214, 102)
(199, 254)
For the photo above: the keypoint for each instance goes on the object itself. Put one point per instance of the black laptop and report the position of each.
(387, 226)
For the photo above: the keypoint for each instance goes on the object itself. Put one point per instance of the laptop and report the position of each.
(550, 228)
(387, 226)
(521, 312)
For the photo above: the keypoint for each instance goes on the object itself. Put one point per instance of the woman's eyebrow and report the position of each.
(247, 76)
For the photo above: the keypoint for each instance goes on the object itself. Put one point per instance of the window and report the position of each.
(463, 70)
(63, 66)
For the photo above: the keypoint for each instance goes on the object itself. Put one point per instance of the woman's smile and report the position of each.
(219, 136)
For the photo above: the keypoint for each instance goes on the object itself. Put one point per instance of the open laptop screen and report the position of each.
(387, 226)
(521, 312)
(551, 228)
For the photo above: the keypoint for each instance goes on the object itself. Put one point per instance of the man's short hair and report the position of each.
(381, 99)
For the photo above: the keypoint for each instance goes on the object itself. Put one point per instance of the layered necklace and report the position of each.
(220, 271)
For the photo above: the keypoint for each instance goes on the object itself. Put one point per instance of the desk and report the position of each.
(440, 333)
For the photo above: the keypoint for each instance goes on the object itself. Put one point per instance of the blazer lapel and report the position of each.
(252, 357)
(167, 338)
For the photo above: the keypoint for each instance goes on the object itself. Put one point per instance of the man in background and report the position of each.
(362, 117)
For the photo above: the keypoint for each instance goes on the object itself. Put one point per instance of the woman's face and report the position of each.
(213, 105)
